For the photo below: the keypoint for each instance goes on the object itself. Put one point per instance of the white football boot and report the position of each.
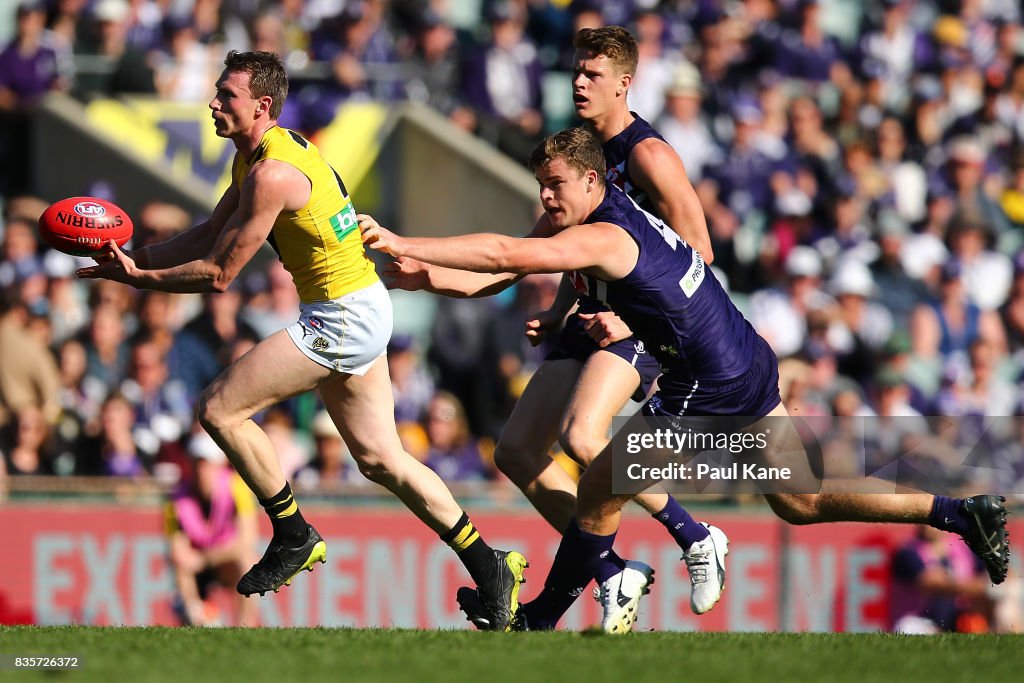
(705, 560)
(620, 596)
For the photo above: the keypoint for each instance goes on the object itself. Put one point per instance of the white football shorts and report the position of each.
(347, 334)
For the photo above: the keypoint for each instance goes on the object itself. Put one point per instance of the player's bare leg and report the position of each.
(522, 454)
(980, 520)
(589, 537)
(363, 409)
(522, 451)
(270, 372)
(606, 382)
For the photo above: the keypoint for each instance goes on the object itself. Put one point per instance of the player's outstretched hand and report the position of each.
(605, 328)
(377, 238)
(111, 264)
(540, 325)
(407, 273)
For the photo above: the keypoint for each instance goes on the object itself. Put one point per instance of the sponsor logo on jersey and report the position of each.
(670, 350)
(305, 331)
(316, 323)
(319, 344)
(694, 276)
(90, 209)
(344, 222)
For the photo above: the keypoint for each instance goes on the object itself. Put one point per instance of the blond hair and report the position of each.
(614, 42)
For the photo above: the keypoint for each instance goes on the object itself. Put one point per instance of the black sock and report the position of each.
(469, 545)
(289, 525)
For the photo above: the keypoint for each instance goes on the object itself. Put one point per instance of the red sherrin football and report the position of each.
(81, 226)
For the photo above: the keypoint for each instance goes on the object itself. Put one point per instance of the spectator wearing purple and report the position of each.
(358, 46)
(501, 81)
(411, 385)
(29, 68)
(894, 51)
(981, 31)
(112, 451)
(945, 328)
(454, 454)
(144, 32)
(808, 53)
(740, 183)
(850, 235)
(654, 68)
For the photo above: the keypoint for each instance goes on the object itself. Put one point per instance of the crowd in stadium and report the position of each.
(861, 167)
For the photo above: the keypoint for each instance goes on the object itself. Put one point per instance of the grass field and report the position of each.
(307, 655)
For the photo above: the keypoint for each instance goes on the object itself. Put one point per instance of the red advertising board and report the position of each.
(107, 565)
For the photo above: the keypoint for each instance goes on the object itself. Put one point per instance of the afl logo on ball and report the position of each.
(91, 209)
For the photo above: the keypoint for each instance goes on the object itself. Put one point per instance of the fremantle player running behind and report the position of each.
(714, 363)
(283, 191)
(574, 395)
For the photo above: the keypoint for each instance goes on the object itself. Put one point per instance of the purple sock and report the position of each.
(946, 515)
(609, 567)
(580, 557)
(680, 524)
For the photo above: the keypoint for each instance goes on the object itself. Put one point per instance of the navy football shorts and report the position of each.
(753, 394)
(576, 344)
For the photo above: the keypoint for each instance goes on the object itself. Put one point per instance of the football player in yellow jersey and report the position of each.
(285, 192)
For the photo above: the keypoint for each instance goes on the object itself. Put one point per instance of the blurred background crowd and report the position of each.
(860, 164)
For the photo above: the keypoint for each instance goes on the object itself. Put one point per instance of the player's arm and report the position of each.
(605, 249)
(270, 188)
(659, 172)
(194, 243)
(413, 275)
(543, 323)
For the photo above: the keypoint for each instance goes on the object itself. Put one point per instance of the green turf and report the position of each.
(112, 655)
